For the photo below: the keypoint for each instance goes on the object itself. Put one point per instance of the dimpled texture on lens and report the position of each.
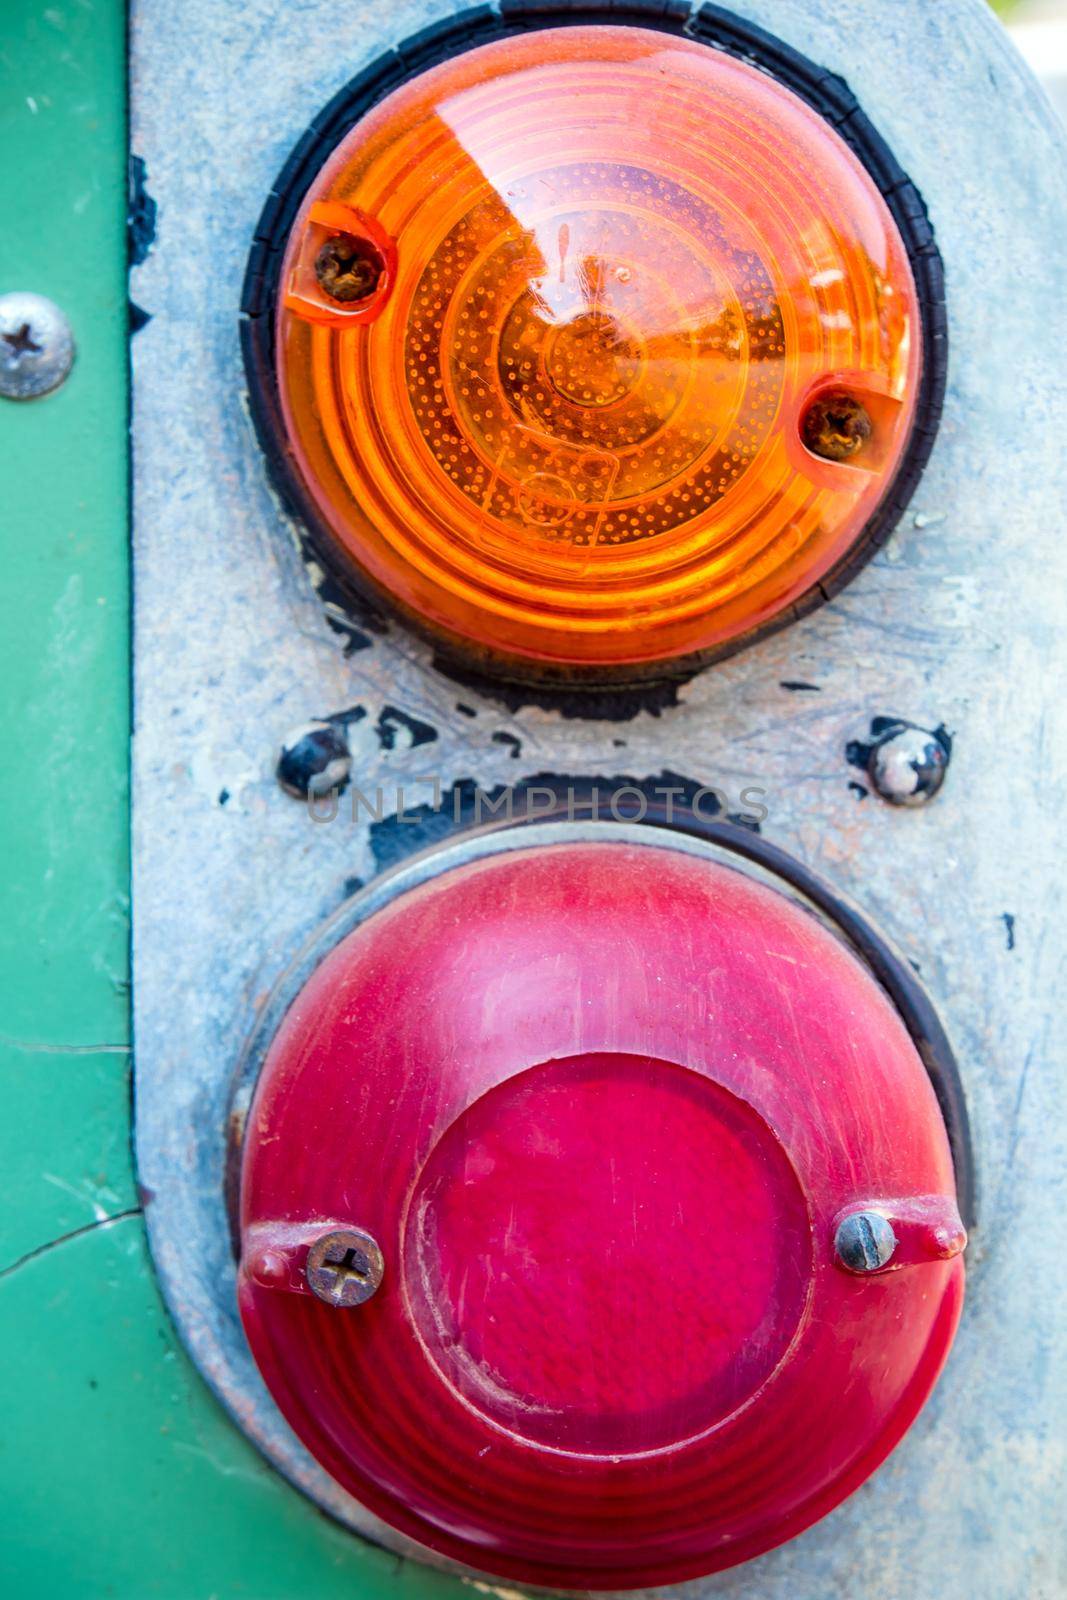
(625, 264)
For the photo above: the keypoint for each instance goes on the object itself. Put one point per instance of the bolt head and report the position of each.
(908, 766)
(865, 1241)
(344, 1267)
(313, 760)
(36, 346)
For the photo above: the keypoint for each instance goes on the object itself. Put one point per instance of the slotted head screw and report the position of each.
(865, 1241)
(345, 1267)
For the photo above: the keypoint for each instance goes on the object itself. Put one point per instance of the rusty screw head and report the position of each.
(836, 426)
(348, 268)
(864, 1241)
(345, 1267)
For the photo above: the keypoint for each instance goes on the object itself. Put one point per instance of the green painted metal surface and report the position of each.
(119, 1475)
(122, 1478)
(63, 645)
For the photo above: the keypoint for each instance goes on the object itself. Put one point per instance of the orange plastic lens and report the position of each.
(573, 423)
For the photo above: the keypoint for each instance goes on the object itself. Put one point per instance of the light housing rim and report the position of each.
(687, 832)
(679, 827)
(346, 585)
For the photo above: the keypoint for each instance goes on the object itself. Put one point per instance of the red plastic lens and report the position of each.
(528, 1173)
(636, 361)
(602, 1108)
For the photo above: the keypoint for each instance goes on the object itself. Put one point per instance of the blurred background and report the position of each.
(1039, 28)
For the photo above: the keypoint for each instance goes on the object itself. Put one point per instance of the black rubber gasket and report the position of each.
(581, 799)
(347, 588)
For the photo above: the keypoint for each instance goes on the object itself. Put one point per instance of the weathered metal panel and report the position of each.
(957, 622)
(118, 1470)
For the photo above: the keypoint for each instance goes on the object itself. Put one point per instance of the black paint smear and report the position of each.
(355, 639)
(1009, 925)
(858, 752)
(859, 790)
(138, 317)
(142, 213)
(797, 686)
(509, 739)
(354, 618)
(392, 720)
(352, 886)
(346, 718)
(574, 704)
(468, 805)
(224, 795)
(464, 709)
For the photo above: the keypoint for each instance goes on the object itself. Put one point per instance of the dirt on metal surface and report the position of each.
(955, 624)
